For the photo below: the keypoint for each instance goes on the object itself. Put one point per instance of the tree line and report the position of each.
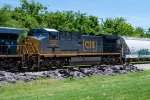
(35, 15)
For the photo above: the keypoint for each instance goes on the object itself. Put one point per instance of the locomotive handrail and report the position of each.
(36, 48)
(23, 50)
(31, 45)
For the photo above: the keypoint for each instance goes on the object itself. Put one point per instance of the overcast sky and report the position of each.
(135, 12)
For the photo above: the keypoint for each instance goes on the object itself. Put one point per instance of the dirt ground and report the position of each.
(143, 66)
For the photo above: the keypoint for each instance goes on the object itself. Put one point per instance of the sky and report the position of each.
(136, 12)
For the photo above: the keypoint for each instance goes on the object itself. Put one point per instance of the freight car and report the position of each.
(45, 48)
(136, 49)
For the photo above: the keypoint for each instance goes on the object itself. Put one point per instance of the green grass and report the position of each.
(140, 62)
(134, 86)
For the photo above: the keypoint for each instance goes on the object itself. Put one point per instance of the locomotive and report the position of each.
(47, 48)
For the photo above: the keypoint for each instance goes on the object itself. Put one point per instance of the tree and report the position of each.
(32, 7)
(34, 15)
(117, 26)
(6, 7)
(139, 32)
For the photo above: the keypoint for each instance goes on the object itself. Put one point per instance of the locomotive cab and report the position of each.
(10, 58)
(44, 40)
(9, 40)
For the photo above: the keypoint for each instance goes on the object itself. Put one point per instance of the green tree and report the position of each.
(35, 11)
(139, 32)
(6, 7)
(117, 26)
(34, 15)
(33, 8)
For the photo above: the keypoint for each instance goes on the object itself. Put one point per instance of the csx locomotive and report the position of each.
(46, 48)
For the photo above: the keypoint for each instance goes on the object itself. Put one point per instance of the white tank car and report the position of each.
(135, 47)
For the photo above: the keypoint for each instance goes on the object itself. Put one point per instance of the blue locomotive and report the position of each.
(62, 48)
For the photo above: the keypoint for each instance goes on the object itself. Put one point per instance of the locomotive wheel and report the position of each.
(57, 63)
(49, 66)
(67, 62)
(109, 60)
(106, 60)
(15, 66)
(61, 63)
(1, 66)
(113, 60)
(47, 63)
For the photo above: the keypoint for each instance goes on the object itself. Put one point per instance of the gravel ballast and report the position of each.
(9, 77)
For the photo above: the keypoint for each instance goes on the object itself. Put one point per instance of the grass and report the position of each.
(140, 62)
(134, 86)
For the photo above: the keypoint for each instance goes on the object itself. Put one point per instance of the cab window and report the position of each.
(53, 35)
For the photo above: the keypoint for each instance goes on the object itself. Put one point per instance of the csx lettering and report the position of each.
(89, 44)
